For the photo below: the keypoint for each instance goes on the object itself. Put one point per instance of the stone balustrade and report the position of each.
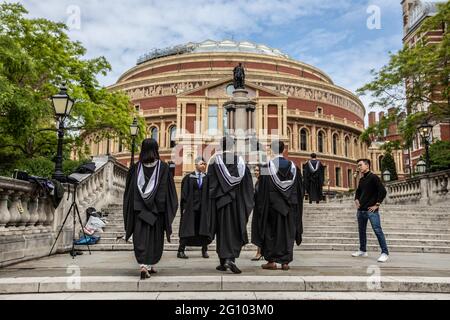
(425, 189)
(428, 189)
(29, 222)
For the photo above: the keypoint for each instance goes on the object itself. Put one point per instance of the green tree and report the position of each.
(439, 155)
(36, 56)
(415, 77)
(388, 163)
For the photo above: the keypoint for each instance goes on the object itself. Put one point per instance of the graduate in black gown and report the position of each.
(228, 204)
(258, 255)
(190, 209)
(313, 174)
(278, 209)
(149, 206)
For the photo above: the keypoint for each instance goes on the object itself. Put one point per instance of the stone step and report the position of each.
(345, 234)
(334, 240)
(226, 283)
(302, 247)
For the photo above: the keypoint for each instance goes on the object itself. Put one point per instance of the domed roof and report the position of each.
(213, 46)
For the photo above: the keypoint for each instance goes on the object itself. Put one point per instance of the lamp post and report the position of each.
(134, 129)
(62, 104)
(425, 132)
(386, 176)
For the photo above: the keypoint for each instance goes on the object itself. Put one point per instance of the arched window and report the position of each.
(304, 140)
(289, 133)
(154, 133)
(335, 143)
(346, 146)
(172, 132)
(320, 141)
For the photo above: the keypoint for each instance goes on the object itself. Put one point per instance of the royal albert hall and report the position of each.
(180, 91)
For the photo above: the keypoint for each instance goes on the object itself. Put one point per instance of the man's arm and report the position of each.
(381, 190)
(357, 195)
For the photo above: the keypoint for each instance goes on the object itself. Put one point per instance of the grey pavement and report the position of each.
(306, 263)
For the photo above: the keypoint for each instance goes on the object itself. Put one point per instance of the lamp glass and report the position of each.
(60, 104)
(134, 129)
(421, 166)
(386, 176)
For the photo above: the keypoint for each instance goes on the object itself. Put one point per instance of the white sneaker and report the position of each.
(359, 254)
(383, 258)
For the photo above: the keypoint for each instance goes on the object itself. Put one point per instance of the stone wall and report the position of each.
(29, 223)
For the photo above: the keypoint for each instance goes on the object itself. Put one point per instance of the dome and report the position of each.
(213, 46)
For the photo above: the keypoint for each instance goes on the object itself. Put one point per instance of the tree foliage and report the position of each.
(415, 82)
(388, 163)
(36, 56)
(440, 155)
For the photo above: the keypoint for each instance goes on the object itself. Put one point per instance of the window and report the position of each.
(319, 111)
(304, 140)
(137, 108)
(335, 143)
(320, 141)
(346, 146)
(349, 178)
(120, 145)
(154, 133)
(380, 160)
(338, 177)
(172, 132)
(212, 117)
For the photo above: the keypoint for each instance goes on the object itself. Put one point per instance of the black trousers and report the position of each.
(182, 247)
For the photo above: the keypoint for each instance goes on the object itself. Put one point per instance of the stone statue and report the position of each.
(239, 77)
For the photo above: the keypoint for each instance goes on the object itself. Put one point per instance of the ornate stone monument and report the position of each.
(241, 119)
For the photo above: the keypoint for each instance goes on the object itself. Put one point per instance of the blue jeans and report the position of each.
(374, 217)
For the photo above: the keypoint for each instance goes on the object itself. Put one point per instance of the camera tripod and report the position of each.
(75, 212)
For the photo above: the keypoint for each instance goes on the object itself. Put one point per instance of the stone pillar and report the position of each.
(295, 139)
(314, 139)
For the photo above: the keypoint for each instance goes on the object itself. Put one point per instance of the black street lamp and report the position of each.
(425, 133)
(386, 176)
(62, 104)
(134, 130)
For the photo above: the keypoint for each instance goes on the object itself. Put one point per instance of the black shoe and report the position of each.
(232, 266)
(145, 274)
(221, 268)
(182, 255)
(205, 254)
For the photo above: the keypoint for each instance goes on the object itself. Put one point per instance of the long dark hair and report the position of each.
(149, 151)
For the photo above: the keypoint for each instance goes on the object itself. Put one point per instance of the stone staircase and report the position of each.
(330, 227)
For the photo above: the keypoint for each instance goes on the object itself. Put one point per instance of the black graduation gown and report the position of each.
(254, 232)
(314, 181)
(190, 209)
(279, 216)
(226, 209)
(147, 220)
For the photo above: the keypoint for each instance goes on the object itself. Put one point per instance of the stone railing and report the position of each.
(29, 222)
(428, 189)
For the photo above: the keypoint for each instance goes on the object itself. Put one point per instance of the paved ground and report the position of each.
(272, 295)
(307, 263)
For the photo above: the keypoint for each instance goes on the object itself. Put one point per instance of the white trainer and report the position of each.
(383, 258)
(359, 254)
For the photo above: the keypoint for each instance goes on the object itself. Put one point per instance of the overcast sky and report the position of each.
(344, 38)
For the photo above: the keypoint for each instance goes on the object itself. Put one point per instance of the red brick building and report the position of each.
(180, 92)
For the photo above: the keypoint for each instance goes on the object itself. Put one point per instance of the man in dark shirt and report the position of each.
(368, 197)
